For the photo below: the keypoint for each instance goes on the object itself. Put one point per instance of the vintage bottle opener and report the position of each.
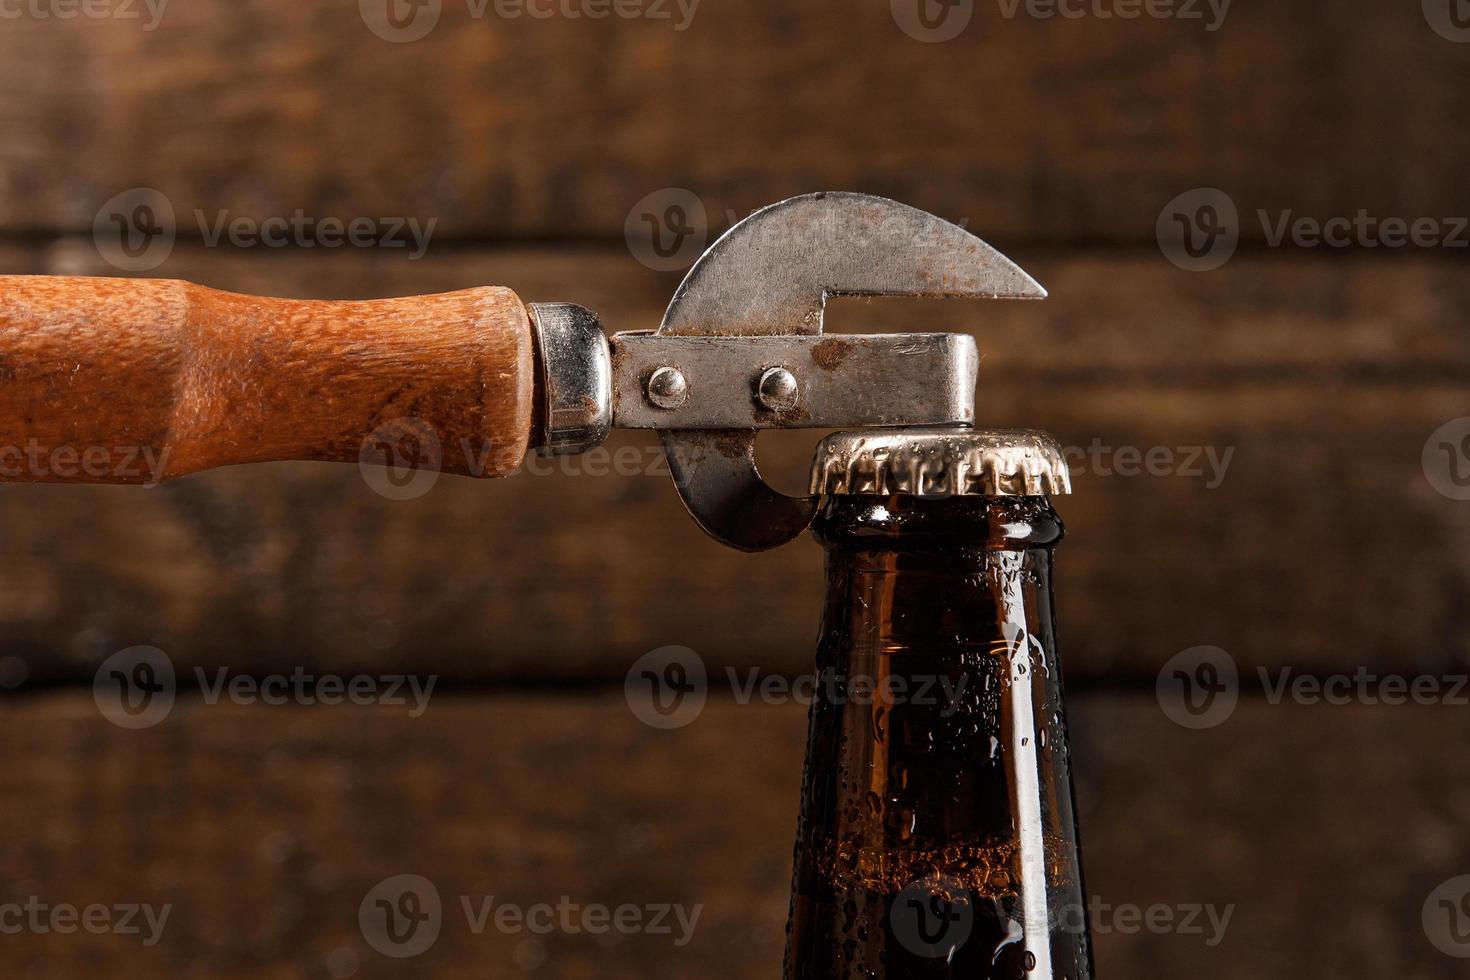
(203, 378)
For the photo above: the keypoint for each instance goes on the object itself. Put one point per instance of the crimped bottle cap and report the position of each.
(941, 463)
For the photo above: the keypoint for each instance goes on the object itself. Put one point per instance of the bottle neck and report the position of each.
(937, 788)
(934, 574)
(944, 528)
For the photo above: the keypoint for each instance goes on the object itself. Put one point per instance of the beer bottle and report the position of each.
(937, 837)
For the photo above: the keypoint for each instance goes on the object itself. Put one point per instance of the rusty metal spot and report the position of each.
(830, 353)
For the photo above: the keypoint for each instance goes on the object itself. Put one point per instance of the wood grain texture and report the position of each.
(265, 828)
(137, 381)
(1323, 379)
(1052, 130)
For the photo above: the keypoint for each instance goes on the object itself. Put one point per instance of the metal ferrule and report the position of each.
(576, 377)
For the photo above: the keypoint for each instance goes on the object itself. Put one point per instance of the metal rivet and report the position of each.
(667, 388)
(778, 390)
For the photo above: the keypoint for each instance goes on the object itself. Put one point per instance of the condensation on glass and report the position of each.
(937, 837)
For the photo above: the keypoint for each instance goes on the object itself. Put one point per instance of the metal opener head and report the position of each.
(771, 275)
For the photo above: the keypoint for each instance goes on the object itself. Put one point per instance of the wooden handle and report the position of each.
(134, 381)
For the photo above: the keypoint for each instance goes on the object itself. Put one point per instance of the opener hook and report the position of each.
(772, 274)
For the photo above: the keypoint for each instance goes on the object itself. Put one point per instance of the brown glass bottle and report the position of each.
(937, 837)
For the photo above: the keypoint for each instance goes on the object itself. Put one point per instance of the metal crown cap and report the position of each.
(941, 463)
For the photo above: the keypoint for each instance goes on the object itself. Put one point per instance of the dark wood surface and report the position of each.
(265, 828)
(1055, 130)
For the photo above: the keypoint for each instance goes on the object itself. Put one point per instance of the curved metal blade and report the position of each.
(773, 273)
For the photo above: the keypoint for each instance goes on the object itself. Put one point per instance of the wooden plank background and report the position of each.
(265, 828)
(1056, 130)
(1323, 548)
